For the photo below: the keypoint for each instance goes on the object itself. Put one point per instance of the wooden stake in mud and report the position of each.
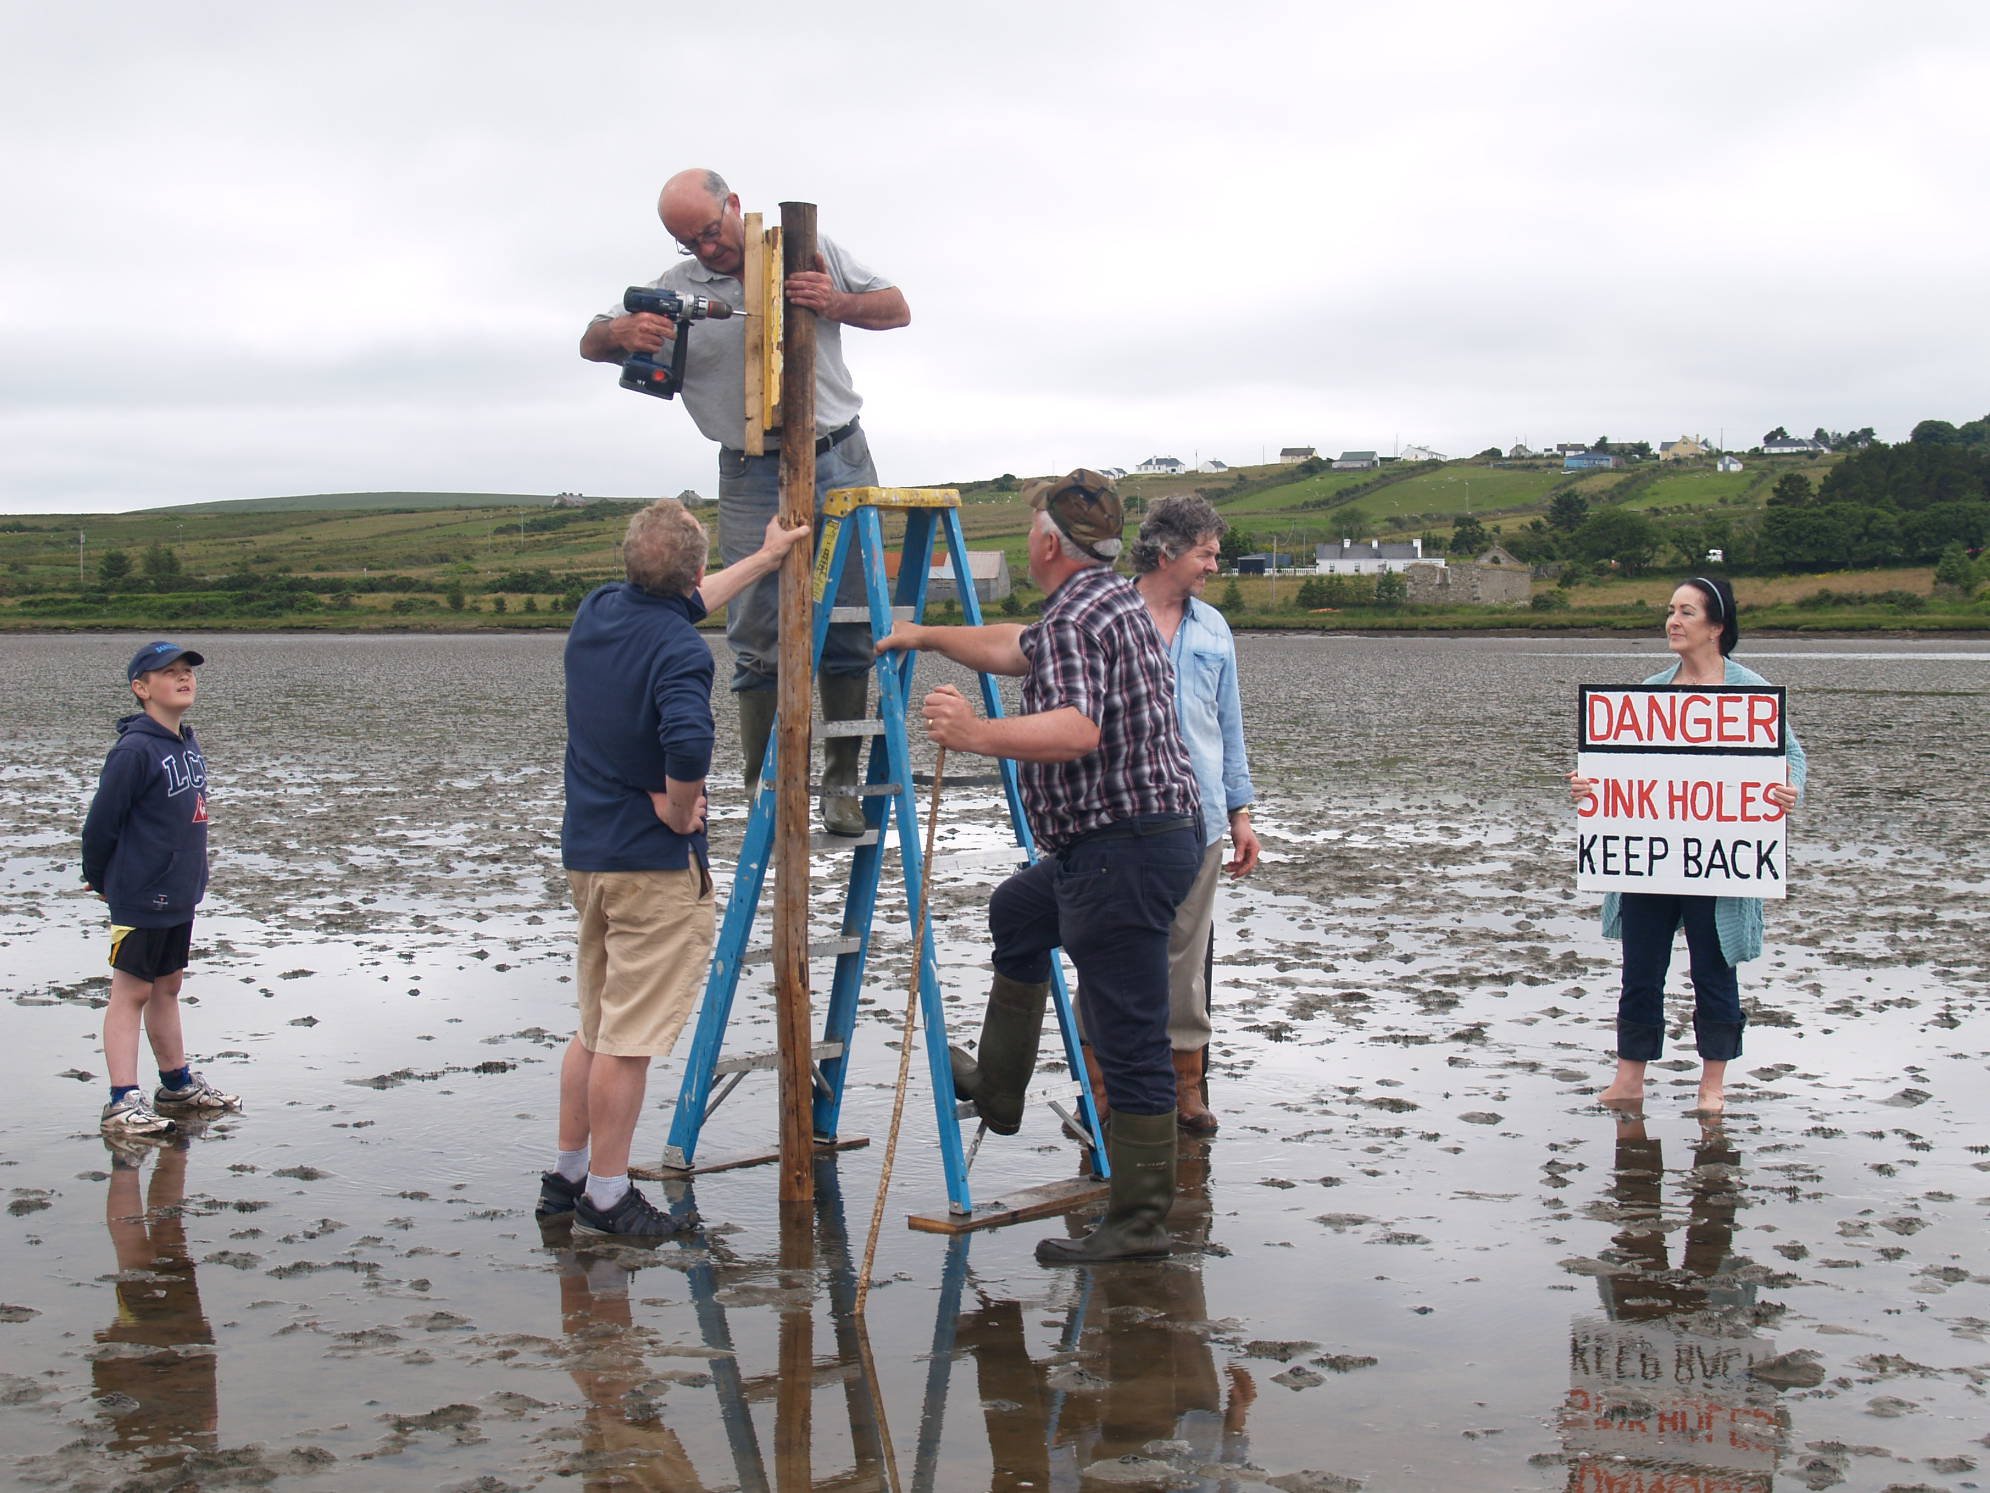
(792, 810)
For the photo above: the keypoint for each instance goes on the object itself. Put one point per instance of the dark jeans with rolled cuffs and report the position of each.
(1649, 922)
(1109, 902)
(749, 495)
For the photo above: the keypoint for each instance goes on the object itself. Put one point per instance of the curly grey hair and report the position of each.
(664, 551)
(1173, 527)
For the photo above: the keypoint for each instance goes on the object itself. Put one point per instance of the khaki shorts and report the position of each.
(645, 945)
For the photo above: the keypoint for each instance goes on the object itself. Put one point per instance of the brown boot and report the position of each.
(1096, 1077)
(1190, 1112)
(1095, 1080)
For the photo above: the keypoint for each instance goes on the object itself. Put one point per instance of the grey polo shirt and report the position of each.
(715, 368)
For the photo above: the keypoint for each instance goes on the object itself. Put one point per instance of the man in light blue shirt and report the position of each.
(1173, 559)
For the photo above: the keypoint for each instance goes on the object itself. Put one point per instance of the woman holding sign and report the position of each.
(1721, 932)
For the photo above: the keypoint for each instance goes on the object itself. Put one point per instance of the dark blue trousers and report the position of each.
(1109, 903)
(1649, 921)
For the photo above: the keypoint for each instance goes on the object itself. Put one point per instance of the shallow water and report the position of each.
(1416, 1257)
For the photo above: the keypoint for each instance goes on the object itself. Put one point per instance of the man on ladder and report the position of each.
(702, 214)
(1113, 803)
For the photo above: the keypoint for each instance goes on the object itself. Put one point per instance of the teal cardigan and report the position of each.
(1738, 919)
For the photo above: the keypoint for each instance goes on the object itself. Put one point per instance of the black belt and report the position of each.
(1126, 829)
(823, 443)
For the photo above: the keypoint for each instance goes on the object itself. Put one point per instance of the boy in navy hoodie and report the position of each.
(145, 853)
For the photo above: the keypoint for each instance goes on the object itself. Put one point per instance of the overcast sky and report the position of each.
(259, 249)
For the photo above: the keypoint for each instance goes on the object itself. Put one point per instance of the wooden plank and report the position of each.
(1046, 1200)
(738, 1159)
(753, 292)
(792, 808)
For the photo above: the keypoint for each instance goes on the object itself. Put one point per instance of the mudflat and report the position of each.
(1416, 1256)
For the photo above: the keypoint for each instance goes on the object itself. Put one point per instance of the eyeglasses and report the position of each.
(705, 238)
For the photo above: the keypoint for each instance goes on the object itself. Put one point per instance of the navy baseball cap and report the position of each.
(157, 656)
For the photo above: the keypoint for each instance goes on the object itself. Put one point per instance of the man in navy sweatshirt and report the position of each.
(639, 743)
(145, 853)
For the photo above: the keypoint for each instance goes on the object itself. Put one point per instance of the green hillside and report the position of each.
(339, 502)
(427, 560)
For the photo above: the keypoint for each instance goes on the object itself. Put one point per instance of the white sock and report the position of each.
(572, 1164)
(604, 1193)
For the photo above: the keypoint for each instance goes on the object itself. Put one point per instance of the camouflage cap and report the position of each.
(1085, 507)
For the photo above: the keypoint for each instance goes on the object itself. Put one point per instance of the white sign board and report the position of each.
(1679, 802)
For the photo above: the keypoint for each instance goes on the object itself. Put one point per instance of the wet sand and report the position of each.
(1416, 1257)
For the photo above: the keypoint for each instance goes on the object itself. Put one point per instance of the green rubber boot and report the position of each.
(996, 1077)
(845, 697)
(1141, 1149)
(756, 723)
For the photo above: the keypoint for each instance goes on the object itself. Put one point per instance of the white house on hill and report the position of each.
(1160, 465)
(1357, 461)
(1369, 556)
(1421, 453)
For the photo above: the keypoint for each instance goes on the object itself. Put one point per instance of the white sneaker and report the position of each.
(199, 1095)
(131, 1116)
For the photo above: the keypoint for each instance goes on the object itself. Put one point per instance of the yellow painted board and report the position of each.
(844, 500)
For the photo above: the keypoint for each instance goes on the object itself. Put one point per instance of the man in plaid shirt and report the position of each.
(1113, 803)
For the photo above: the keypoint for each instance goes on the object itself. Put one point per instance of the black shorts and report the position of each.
(151, 953)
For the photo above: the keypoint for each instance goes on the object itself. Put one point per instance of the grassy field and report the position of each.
(265, 563)
(41, 552)
(325, 502)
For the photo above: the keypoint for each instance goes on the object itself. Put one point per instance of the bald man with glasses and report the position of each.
(701, 213)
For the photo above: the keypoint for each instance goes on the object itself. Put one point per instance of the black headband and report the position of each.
(1714, 591)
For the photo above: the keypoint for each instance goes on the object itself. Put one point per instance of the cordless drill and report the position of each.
(641, 371)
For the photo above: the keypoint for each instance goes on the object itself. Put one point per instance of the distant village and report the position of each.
(1575, 456)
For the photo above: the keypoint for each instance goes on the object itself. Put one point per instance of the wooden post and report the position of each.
(792, 809)
(794, 1397)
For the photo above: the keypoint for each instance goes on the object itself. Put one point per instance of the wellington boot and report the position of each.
(997, 1076)
(1191, 1113)
(845, 697)
(756, 723)
(1141, 1149)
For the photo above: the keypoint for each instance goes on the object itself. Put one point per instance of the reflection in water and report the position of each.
(154, 1368)
(625, 1440)
(1134, 1368)
(1660, 1399)
(1133, 1381)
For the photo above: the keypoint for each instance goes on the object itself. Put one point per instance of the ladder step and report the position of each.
(849, 728)
(869, 790)
(863, 614)
(753, 1062)
(820, 950)
(1001, 855)
(821, 841)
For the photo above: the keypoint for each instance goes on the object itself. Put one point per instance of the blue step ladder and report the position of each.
(852, 525)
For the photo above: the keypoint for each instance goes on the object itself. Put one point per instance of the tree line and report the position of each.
(1883, 504)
